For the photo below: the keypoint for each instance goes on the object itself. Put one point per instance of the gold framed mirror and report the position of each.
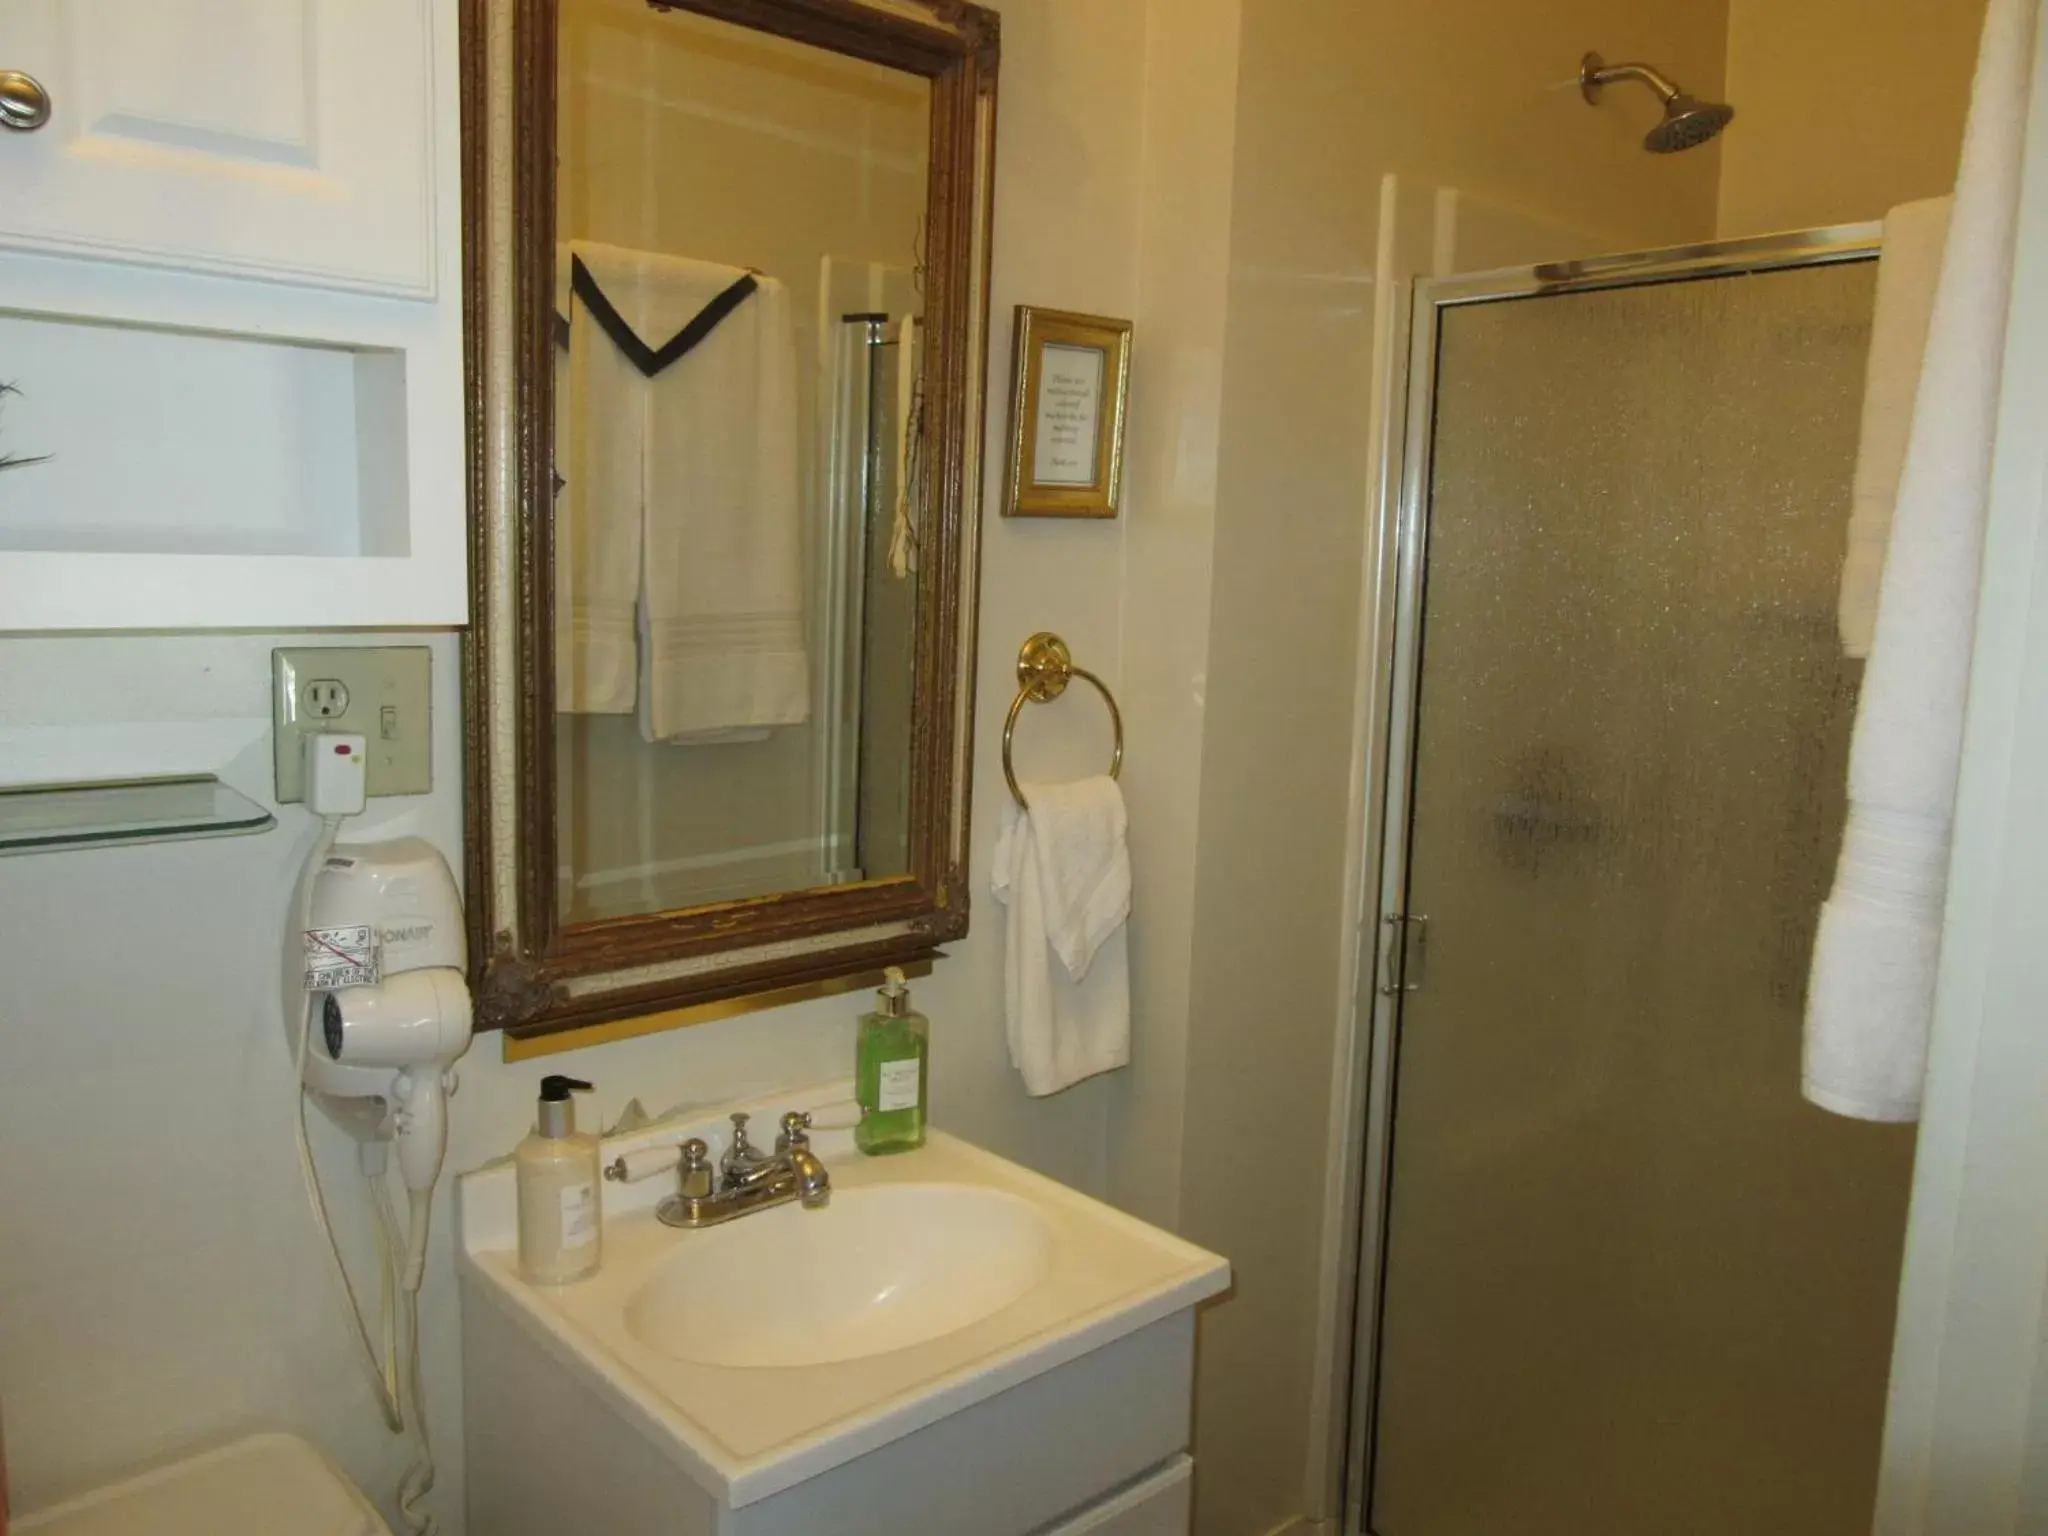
(728, 314)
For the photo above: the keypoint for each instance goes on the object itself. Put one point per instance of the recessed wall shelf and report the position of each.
(46, 818)
(221, 444)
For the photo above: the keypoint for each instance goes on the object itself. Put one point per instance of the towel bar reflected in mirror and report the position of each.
(1044, 668)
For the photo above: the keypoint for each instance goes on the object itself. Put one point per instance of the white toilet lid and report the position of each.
(266, 1485)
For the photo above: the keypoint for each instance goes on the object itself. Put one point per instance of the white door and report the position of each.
(287, 139)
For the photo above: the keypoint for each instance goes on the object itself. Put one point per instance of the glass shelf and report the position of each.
(45, 818)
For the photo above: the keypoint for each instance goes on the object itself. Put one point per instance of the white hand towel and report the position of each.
(724, 579)
(690, 480)
(1079, 836)
(600, 423)
(1063, 870)
(1914, 235)
(1870, 1000)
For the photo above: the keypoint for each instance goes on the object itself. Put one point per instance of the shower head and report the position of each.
(1687, 119)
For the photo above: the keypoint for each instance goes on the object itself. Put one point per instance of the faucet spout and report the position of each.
(813, 1182)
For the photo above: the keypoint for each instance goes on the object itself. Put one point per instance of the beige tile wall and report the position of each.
(1847, 108)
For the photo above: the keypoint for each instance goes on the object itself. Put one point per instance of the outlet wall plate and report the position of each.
(381, 693)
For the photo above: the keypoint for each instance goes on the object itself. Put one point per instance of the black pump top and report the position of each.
(557, 1110)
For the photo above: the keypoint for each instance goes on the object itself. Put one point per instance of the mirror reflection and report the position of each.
(739, 227)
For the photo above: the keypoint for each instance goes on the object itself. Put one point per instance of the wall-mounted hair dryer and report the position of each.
(382, 1055)
(376, 1012)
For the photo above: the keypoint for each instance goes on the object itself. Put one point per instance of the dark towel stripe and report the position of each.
(649, 361)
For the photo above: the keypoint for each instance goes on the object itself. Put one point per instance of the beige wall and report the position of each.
(1845, 108)
(1168, 547)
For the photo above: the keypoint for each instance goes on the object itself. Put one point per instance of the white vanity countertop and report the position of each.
(746, 1432)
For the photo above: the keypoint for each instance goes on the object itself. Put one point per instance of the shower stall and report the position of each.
(1616, 1276)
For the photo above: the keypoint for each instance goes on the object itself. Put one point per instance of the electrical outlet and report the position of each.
(381, 693)
(326, 698)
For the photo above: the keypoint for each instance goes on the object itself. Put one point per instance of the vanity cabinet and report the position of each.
(1158, 1504)
(950, 1345)
(1095, 1446)
(231, 315)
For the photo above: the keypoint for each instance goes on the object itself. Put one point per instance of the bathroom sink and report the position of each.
(880, 1268)
(789, 1344)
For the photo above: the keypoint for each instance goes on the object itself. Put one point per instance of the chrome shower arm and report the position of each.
(1595, 72)
(1687, 122)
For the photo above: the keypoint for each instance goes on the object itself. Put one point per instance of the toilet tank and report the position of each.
(266, 1485)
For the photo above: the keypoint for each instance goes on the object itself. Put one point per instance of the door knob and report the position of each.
(24, 104)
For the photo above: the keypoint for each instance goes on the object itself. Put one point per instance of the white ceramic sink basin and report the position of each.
(880, 1268)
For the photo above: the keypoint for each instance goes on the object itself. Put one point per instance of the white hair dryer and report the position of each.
(382, 1055)
(376, 1013)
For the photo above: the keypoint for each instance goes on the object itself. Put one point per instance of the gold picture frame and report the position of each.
(1067, 427)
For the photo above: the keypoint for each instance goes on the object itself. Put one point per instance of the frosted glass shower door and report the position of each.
(1631, 1284)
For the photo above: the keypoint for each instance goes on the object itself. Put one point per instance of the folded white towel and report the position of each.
(1872, 990)
(1063, 869)
(1914, 235)
(679, 537)
(724, 578)
(599, 422)
(1870, 1000)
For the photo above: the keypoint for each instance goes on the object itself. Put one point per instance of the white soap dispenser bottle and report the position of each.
(561, 1237)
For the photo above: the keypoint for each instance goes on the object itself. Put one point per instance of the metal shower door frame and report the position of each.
(1395, 661)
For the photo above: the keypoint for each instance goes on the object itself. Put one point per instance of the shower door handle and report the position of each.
(1406, 963)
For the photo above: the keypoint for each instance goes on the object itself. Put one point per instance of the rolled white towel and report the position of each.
(1915, 235)
(1872, 988)
(1870, 1003)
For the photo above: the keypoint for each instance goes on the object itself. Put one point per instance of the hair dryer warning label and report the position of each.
(341, 957)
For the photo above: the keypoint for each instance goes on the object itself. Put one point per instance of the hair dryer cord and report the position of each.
(381, 1380)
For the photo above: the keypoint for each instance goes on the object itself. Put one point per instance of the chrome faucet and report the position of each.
(748, 1179)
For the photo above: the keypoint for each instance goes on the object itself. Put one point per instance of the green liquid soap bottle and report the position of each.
(889, 1072)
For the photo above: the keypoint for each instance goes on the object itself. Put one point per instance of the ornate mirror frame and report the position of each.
(531, 974)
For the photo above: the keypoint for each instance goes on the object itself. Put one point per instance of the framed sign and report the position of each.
(1067, 414)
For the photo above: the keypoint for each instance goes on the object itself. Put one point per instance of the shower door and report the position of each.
(869, 611)
(1620, 1279)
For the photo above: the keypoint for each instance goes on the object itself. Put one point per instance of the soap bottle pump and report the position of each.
(560, 1235)
(889, 1071)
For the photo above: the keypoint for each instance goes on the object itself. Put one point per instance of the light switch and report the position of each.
(383, 693)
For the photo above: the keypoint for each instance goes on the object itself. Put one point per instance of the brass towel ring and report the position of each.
(1044, 668)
